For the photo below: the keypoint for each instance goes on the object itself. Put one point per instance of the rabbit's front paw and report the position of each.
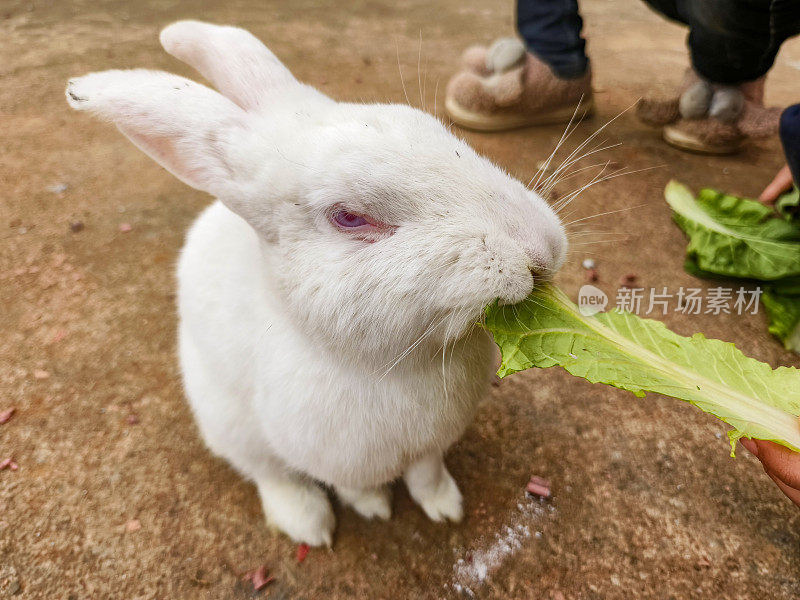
(444, 502)
(300, 509)
(369, 502)
(434, 489)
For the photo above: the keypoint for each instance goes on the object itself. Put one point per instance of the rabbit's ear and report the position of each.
(186, 127)
(235, 61)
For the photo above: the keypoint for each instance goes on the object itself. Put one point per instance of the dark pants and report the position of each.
(552, 31)
(730, 41)
(790, 138)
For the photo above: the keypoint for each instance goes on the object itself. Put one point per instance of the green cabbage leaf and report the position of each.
(642, 355)
(741, 238)
(734, 237)
(788, 206)
(783, 312)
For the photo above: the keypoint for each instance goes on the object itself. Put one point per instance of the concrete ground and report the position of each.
(116, 496)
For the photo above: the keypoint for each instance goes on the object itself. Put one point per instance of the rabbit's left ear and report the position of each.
(234, 61)
(191, 130)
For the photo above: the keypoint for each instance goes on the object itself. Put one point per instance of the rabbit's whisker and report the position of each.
(564, 136)
(619, 173)
(593, 243)
(256, 346)
(596, 149)
(583, 233)
(428, 330)
(419, 76)
(400, 70)
(435, 96)
(596, 133)
(570, 175)
(444, 353)
(548, 184)
(565, 200)
(598, 178)
(603, 214)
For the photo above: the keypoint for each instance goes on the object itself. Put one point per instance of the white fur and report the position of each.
(309, 355)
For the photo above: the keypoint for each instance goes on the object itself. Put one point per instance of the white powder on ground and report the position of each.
(479, 563)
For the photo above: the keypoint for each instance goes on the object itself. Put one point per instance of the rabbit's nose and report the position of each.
(539, 271)
(539, 260)
(544, 253)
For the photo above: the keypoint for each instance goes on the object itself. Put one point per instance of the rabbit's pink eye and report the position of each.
(348, 219)
(360, 227)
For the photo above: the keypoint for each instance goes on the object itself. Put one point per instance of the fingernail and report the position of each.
(750, 446)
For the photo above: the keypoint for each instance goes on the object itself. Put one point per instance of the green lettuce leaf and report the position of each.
(642, 355)
(788, 206)
(783, 312)
(786, 287)
(734, 237)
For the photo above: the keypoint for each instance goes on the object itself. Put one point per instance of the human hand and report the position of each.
(780, 463)
(780, 184)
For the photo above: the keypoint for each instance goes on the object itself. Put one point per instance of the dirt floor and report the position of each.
(116, 496)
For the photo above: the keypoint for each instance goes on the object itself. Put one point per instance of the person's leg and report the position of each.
(552, 31)
(733, 41)
(790, 138)
(667, 8)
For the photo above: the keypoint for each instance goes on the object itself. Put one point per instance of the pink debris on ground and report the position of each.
(302, 552)
(9, 464)
(125, 227)
(703, 563)
(40, 374)
(259, 578)
(6, 415)
(133, 525)
(538, 486)
(132, 419)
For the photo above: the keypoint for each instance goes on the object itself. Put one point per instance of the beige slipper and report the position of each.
(691, 141)
(705, 134)
(510, 118)
(506, 87)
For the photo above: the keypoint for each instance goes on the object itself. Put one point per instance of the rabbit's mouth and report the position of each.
(539, 276)
(461, 322)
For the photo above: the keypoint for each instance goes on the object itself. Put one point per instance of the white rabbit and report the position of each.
(329, 299)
